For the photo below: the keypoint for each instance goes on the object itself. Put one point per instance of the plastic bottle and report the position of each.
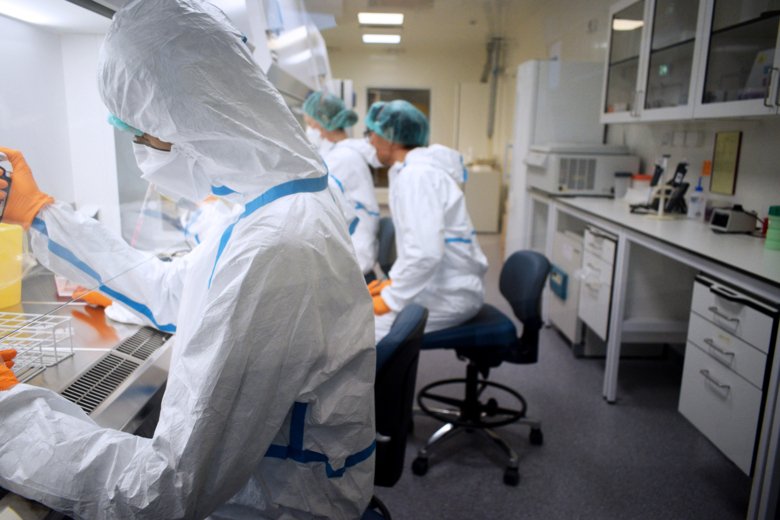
(697, 203)
(10, 265)
(773, 229)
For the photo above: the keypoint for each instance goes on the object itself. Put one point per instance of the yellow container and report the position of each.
(10, 265)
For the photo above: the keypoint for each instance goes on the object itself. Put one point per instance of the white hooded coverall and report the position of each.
(347, 163)
(440, 264)
(268, 410)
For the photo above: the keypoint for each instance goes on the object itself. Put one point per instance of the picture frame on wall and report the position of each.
(725, 162)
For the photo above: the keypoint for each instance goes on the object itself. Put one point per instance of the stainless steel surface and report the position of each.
(94, 337)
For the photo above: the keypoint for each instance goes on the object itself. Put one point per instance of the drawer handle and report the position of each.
(593, 267)
(717, 349)
(714, 310)
(593, 287)
(728, 295)
(708, 377)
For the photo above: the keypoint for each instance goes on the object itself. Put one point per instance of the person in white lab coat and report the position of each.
(348, 163)
(440, 264)
(268, 409)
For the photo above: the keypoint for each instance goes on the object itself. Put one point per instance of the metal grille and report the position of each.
(100, 381)
(142, 344)
(577, 174)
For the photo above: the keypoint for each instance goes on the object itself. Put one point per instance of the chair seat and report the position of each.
(490, 328)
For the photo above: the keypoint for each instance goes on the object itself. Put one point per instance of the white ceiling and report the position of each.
(57, 15)
(448, 24)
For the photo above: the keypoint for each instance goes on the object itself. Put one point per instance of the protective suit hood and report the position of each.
(364, 148)
(206, 95)
(442, 158)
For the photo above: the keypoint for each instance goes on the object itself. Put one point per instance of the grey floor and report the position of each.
(636, 459)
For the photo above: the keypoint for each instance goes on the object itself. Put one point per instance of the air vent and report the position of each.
(142, 344)
(577, 173)
(100, 381)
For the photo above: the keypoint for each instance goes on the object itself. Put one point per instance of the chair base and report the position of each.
(474, 416)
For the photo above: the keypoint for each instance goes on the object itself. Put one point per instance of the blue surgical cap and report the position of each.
(398, 122)
(118, 123)
(329, 111)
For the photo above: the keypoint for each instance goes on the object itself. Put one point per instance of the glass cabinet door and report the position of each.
(740, 65)
(627, 26)
(672, 51)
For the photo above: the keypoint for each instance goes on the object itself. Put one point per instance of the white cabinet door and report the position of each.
(673, 51)
(739, 63)
(625, 68)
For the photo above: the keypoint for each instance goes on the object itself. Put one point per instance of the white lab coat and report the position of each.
(440, 264)
(268, 410)
(348, 163)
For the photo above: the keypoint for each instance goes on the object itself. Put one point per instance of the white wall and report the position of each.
(33, 114)
(439, 71)
(91, 137)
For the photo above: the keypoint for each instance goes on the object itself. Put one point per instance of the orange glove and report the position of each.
(25, 199)
(94, 298)
(7, 378)
(380, 307)
(375, 287)
(97, 320)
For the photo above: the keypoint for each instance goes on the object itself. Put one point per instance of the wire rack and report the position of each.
(40, 341)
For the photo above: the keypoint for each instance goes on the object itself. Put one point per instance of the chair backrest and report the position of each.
(396, 375)
(521, 282)
(386, 254)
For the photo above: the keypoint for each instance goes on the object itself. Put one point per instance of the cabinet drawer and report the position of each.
(722, 405)
(593, 307)
(734, 312)
(745, 360)
(601, 246)
(595, 271)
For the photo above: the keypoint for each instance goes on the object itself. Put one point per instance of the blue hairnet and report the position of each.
(399, 122)
(118, 123)
(329, 111)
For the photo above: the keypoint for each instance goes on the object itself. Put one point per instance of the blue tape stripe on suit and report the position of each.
(462, 240)
(338, 182)
(296, 452)
(360, 206)
(67, 255)
(221, 190)
(277, 192)
(353, 225)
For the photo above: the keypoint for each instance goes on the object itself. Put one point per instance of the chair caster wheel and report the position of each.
(536, 437)
(511, 477)
(491, 407)
(420, 466)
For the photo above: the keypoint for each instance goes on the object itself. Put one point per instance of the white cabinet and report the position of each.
(738, 69)
(652, 60)
(683, 59)
(729, 337)
(598, 263)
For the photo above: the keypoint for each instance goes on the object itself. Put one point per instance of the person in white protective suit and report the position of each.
(268, 409)
(440, 264)
(348, 163)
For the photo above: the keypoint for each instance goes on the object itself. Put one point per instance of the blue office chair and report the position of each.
(396, 374)
(485, 341)
(386, 254)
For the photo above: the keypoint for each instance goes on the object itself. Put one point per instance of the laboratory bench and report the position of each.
(669, 279)
(116, 372)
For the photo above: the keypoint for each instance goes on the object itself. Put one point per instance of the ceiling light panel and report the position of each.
(393, 39)
(381, 18)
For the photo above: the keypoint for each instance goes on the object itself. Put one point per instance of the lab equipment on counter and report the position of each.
(40, 341)
(773, 229)
(697, 203)
(577, 169)
(622, 182)
(10, 265)
(732, 220)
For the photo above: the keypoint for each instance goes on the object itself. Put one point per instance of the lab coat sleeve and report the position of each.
(221, 411)
(85, 252)
(418, 215)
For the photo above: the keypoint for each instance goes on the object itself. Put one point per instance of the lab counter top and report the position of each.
(741, 252)
(117, 372)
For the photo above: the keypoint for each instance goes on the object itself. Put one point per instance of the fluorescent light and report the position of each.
(381, 18)
(382, 38)
(624, 24)
(25, 14)
(298, 57)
